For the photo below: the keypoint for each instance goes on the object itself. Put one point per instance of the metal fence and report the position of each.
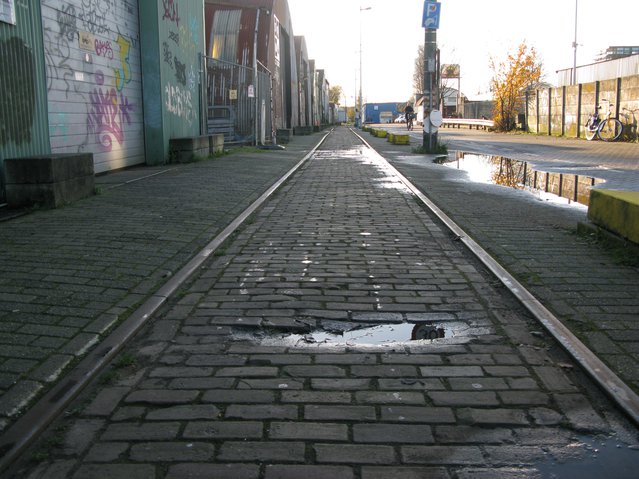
(233, 104)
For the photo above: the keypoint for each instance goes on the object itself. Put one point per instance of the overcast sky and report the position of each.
(470, 33)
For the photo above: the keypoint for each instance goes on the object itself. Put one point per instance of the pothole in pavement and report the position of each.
(305, 332)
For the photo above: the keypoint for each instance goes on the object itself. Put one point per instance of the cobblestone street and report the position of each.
(296, 352)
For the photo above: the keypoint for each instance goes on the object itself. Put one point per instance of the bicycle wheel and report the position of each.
(610, 129)
(591, 129)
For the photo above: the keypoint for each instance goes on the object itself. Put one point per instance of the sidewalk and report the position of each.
(586, 284)
(68, 276)
(246, 373)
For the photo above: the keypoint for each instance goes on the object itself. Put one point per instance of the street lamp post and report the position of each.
(574, 45)
(361, 118)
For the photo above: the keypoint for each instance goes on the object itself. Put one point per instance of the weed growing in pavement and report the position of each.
(441, 149)
(621, 251)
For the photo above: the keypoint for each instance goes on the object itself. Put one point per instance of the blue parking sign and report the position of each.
(430, 20)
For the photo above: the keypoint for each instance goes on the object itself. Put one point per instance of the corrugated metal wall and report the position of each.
(182, 46)
(94, 80)
(23, 107)
(619, 68)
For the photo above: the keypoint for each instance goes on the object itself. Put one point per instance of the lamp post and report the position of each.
(574, 45)
(361, 113)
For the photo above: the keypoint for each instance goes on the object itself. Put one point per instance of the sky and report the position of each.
(471, 32)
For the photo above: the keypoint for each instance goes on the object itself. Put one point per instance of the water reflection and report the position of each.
(511, 173)
(350, 334)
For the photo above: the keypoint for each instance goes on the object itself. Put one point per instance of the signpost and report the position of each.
(430, 22)
(430, 19)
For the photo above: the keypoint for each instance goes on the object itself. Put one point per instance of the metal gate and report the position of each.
(233, 104)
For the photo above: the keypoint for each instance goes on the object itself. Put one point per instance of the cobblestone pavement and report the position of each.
(264, 366)
(593, 290)
(67, 276)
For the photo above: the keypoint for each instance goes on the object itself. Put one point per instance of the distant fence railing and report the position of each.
(470, 123)
(234, 105)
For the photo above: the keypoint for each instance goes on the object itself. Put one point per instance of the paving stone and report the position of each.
(392, 433)
(247, 372)
(105, 401)
(160, 397)
(554, 379)
(324, 397)
(218, 471)
(354, 454)
(579, 412)
(493, 417)
(274, 471)
(107, 452)
(309, 431)
(223, 430)
(115, 471)
(221, 396)
(386, 371)
(451, 371)
(473, 435)
(453, 398)
(260, 451)
(172, 452)
(390, 397)
(259, 411)
(80, 436)
(410, 414)
(445, 455)
(141, 432)
(389, 472)
(323, 371)
(346, 384)
(339, 413)
(184, 413)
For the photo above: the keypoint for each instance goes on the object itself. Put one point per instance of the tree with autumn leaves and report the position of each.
(521, 71)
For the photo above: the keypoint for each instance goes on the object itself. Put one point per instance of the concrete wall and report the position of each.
(172, 42)
(565, 110)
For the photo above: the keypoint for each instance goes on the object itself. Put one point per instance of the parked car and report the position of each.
(400, 119)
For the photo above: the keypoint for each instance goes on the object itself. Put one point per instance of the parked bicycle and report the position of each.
(606, 127)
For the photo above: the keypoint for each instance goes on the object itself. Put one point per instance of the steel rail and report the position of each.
(29, 426)
(602, 375)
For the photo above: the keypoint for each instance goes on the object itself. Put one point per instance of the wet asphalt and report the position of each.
(275, 358)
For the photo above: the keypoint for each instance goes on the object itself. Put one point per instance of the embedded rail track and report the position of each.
(27, 429)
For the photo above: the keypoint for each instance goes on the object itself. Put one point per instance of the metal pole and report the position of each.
(430, 67)
(255, 79)
(574, 45)
(361, 73)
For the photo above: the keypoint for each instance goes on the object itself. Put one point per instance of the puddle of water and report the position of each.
(557, 187)
(595, 458)
(343, 333)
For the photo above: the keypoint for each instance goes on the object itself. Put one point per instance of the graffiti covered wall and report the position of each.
(181, 38)
(94, 83)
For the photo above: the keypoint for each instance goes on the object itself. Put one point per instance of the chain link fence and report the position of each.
(238, 102)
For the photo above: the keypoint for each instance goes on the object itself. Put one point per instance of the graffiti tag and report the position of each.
(67, 22)
(108, 114)
(171, 11)
(180, 71)
(179, 102)
(123, 74)
(103, 48)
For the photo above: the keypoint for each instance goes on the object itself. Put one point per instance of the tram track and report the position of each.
(28, 428)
